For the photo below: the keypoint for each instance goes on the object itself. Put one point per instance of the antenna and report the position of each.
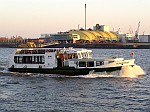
(143, 32)
(78, 26)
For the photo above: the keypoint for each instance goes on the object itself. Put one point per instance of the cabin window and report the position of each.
(69, 56)
(34, 59)
(34, 52)
(99, 63)
(49, 50)
(90, 54)
(20, 59)
(27, 51)
(79, 56)
(90, 64)
(86, 55)
(41, 51)
(75, 56)
(15, 59)
(72, 56)
(111, 61)
(82, 55)
(41, 59)
(82, 64)
(22, 52)
(27, 59)
(37, 59)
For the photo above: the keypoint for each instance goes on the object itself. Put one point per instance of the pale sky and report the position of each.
(30, 18)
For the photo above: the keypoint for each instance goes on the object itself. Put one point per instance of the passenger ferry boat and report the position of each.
(64, 61)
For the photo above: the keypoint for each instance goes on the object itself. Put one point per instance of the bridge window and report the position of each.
(90, 64)
(82, 64)
(99, 63)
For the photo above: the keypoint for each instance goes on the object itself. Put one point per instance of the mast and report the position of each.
(85, 16)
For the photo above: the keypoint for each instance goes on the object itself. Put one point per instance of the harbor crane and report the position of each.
(137, 32)
(130, 30)
(118, 30)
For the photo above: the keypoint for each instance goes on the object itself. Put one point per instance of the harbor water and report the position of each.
(90, 93)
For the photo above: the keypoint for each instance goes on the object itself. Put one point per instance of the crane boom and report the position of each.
(137, 31)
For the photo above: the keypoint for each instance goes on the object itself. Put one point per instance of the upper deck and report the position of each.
(81, 53)
(35, 51)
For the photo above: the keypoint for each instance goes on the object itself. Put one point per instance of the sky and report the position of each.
(30, 18)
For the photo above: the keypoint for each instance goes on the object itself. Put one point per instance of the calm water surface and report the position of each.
(49, 93)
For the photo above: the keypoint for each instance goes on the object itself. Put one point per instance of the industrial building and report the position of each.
(93, 35)
(144, 38)
(99, 33)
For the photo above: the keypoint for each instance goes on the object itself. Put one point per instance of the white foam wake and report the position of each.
(131, 71)
(127, 71)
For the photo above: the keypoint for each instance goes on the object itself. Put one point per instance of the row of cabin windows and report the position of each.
(71, 56)
(85, 55)
(29, 59)
(90, 64)
(36, 51)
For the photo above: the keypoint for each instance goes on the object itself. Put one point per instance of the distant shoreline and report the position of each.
(94, 46)
(104, 46)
